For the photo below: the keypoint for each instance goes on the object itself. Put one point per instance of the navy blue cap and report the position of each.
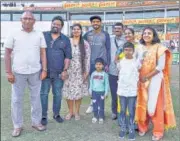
(95, 17)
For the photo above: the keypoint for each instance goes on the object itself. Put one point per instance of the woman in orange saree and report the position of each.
(154, 97)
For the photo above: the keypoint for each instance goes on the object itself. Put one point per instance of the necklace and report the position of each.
(75, 43)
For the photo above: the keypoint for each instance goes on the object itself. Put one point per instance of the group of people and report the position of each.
(136, 74)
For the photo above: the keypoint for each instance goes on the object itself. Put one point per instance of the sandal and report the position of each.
(39, 127)
(142, 133)
(68, 116)
(16, 132)
(77, 117)
(156, 138)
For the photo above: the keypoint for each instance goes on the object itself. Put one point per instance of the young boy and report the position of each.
(127, 89)
(99, 87)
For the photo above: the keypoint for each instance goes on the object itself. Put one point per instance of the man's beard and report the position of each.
(96, 27)
(118, 34)
(54, 30)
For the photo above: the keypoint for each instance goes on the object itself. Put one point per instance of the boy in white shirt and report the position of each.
(127, 89)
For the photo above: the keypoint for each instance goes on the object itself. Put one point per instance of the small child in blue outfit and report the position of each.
(99, 88)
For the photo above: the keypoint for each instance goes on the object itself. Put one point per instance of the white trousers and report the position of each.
(34, 83)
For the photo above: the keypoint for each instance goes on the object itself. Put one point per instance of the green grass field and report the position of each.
(72, 130)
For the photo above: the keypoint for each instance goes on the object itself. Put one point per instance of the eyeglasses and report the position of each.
(28, 19)
(118, 27)
(58, 25)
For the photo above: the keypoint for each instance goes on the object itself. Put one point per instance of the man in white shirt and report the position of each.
(27, 47)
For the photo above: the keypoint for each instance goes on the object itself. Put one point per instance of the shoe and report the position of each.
(44, 121)
(94, 120)
(155, 138)
(16, 132)
(136, 127)
(89, 110)
(101, 121)
(58, 118)
(39, 127)
(122, 134)
(114, 116)
(131, 135)
(142, 133)
(137, 130)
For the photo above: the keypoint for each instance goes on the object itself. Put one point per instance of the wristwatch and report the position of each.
(44, 70)
(65, 70)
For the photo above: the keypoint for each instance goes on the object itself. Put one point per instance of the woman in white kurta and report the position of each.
(154, 98)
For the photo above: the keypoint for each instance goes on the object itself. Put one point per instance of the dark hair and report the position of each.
(99, 60)
(82, 48)
(128, 45)
(171, 41)
(155, 36)
(95, 17)
(58, 18)
(130, 29)
(119, 24)
(172, 47)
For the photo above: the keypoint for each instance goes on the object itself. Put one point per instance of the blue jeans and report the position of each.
(98, 104)
(57, 85)
(113, 87)
(124, 121)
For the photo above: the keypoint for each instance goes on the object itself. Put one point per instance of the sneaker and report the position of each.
(58, 118)
(101, 121)
(131, 136)
(122, 134)
(114, 116)
(94, 120)
(136, 127)
(44, 121)
(137, 130)
(89, 109)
